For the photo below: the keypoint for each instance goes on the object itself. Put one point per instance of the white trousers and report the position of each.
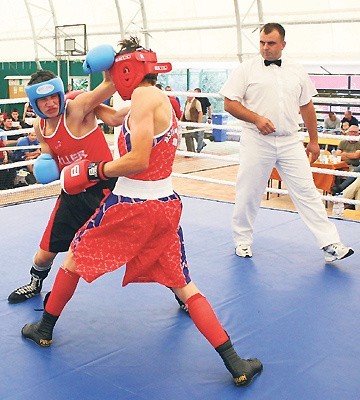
(258, 155)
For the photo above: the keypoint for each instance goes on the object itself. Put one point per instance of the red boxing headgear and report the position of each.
(130, 69)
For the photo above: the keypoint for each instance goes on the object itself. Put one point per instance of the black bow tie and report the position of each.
(277, 62)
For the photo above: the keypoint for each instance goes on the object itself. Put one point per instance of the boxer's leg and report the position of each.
(39, 271)
(201, 312)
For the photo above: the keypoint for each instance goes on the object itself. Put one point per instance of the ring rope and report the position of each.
(333, 199)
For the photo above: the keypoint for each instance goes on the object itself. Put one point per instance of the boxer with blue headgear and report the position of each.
(68, 131)
(44, 84)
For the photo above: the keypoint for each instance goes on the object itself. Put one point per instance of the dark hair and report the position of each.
(41, 76)
(129, 46)
(273, 26)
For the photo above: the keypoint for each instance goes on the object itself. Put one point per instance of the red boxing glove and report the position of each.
(80, 175)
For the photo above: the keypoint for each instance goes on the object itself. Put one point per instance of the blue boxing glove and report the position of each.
(46, 169)
(99, 59)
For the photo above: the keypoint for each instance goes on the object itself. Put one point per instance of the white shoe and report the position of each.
(243, 250)
(336, 251)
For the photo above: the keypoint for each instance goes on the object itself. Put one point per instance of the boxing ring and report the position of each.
(285, 306)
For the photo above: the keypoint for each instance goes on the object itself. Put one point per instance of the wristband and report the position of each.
(96, 171)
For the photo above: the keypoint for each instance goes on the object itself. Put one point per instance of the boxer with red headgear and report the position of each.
(137, 225)
(131, 65)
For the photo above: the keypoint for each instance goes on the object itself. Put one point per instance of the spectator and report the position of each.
(193, 113)
(17, 123)
(8, 126)
(344, 127)
(207, 113)
(349, 150)
(350, 118)
(174, 103)
(7, 176)
(332, 122)
(353, 192)
(168, 89)
(342, 185)
(29, 116)
(205, 105)
(2, 117)
(28, 154)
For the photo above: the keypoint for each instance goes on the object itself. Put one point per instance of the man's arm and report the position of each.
(44, 146)
(309, 117)
(349, 156)
(111, 116)
(86, 102)
(209, 112)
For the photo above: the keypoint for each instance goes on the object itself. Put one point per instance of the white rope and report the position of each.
(30, 187)
(14, 132)
(31, 147)
(231, 158)
(202, 127)
(16, 164)
(337, 199)
(14, 101)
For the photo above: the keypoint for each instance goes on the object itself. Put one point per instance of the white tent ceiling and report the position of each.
(322, 34)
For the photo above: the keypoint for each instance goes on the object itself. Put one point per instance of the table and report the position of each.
(325, 141)
(322, 181)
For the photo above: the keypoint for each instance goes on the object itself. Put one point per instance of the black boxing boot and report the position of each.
(243, 371)
(41, 331)
(30, 290)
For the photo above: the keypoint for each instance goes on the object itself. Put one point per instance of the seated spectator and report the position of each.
(28, 154)
(353, 192)
(10, 140)
(332, 122)
(2, 117)
(342, 185)
(17, 123)
(7, 176)
(29, 116)
(350, 118)
(344, 127)
(349, 150)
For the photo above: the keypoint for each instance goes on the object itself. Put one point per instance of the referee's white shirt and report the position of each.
(272, 92)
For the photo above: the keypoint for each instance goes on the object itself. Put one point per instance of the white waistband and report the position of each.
(149, 190)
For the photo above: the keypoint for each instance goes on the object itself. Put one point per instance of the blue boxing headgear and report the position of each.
(44, 89)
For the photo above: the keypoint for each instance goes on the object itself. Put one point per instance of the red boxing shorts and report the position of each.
(144, 235)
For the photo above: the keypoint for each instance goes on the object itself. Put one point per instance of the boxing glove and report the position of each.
(80, 175)
(46, 169)
(99, 59)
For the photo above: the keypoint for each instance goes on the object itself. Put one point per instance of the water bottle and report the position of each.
(333, 156)
(338, 208)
